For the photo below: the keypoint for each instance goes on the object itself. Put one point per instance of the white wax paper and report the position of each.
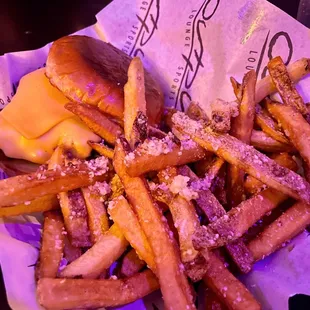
(192, 47)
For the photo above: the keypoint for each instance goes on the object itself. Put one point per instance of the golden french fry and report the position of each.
(211, 301)
(245, 157)
(229, 289)
(102, 149)
(131, 264)
(238, 220)
(281, 79)
(27, 187)
(168, 264)
(96, 120)
(135, 121)
(123, 215)
(98, 221)
(288, 225)
(116, 187)
(265, 143)
(269, 126)
(295, 127)
(72, 205)
(157, 154)
(78, 293)
(213, 210)
(296, 71)
(237, 87)
(242, 126)
(254, 186)
(41, 204)
(99, 257)
(202, 166)
(52, 245)
(196, 112)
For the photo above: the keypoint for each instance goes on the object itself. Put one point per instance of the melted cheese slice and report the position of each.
(36, 107)
(35, 122)
(39, 150)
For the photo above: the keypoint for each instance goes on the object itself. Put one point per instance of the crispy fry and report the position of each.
(98, 221)
(171, 276)
(13, 167)
(96, 121)
(215, 167)
(254, 186)
(269, 126)
(135, 121)
(131, 264)
(213, 210)
(221, 115)
(123, 215)
(24, 188)
(218, 186)
(296, 70)
(229, 289)
(241, 128)
(196, 112)
(237, 87)
(238, 220)
(186, 222)
(288, 225)
(99, 257)
(79, 293)
(247, 158)
(116, 187)
(52, 245)
(295, 127)
(202, 166)
(285, 86)
(72, 205)
(265, 143)
(157, 154)
(42, 204)
(102, 149)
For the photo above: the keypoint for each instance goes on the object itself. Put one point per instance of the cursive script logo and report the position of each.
(193, 60)
(138, 37)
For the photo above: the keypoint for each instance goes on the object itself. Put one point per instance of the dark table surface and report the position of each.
(33, 23)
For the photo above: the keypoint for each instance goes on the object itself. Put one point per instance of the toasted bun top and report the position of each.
(91, 71)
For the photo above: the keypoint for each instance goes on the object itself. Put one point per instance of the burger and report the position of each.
(79, 69)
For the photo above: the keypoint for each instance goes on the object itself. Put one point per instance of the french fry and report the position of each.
(157, 154)
(13, 167)
(72, 206)
(98, 221)
(285, 86)
(215, 168)
(52, 245)
(218, 186)
(186, 222)
(99, 257)
(242, 126)
(213, 210)
(202, 166)
(27, 187)
(229, 289)
(211, 301)
(269, 126)
(171, 276)
(102, 149)
(246, 158)
(288, 225)
(96, 120)
(296, 71)
(135, 121)
(196, 112)
(295, 127)
(131, 264)
(122, 214)
(265, 143)
(237, 87)
(80, 293)
(254, 186)
(238, 220)
(116, 187)
(42, 204)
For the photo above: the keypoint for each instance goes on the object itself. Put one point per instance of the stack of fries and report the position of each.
(171, 208)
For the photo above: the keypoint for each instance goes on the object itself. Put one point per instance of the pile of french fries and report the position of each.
(171, 207)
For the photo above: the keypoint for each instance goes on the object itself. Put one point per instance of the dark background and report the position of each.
(30, 24)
